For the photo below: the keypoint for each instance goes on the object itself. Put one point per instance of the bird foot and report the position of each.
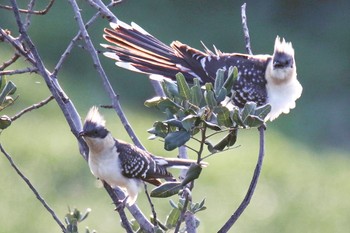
(120, 204)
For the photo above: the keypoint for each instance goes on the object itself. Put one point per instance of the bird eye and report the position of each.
(95, 132)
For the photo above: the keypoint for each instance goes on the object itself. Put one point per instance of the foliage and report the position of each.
(73, 217)
(193, 110)
(199, 110)
(7, 89)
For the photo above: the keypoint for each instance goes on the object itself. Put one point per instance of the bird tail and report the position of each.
(136, 50)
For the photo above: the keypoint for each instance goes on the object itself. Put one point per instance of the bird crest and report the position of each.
(281, 46)
(94, 118)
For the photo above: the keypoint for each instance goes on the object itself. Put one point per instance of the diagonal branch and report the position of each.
(34, 106)
(36, 193)
(251, 188)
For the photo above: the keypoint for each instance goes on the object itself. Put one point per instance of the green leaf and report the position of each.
(2, 82)
(166, 189)
(173, 218)
(163, 104)
(254, 121)
(159, 129)
(248, 109)
(170, 88)
(193, 173)
(219, 81)
(210, 99)
(176, 139)
(263, 111)
(231, 77)
(227, 141)
(212, 125)
(183, 88)
(221, 95)
(82, 217)
(9, 89)
(153, 103)
(190, 121)
(223, 116)
(174, 122)
(236, 117)
(196, 95)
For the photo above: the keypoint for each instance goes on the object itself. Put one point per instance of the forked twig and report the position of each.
(39, 12)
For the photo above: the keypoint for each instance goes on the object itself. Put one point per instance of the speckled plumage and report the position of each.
(261, 77)
(122, 164)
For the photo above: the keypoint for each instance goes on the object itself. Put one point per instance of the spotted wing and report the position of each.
(137, 163)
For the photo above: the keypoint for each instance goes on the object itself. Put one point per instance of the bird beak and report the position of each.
(82, 134)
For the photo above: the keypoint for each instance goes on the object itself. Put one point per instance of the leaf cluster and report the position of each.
(191, 109)
(73, 217)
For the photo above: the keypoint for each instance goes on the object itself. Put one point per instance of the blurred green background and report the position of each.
(304, 185)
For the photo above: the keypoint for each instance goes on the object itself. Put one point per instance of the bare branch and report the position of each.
(108, 87)
(245, 29)
(39, 12)
(103, 9)
(119, 207)
(74, 40)
(36, 193)
(251, 188)
(146, 225)
(12, 60)
(34, 106)
(21, 71)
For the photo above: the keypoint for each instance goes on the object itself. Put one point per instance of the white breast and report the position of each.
(104, 164)
(282, 97)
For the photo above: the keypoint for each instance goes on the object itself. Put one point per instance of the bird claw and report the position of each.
(120, 204)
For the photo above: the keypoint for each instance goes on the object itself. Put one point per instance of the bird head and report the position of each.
(282, 67)
(94, 125)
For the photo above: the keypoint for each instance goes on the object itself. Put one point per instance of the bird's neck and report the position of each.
(100, 146)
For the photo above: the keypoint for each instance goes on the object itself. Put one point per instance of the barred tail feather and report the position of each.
(135, 49)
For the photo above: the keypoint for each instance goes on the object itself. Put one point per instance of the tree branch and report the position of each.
(34, 106)
(245, 29)
(36, 193)
(40, 12)
(262, 128)
(252, 185)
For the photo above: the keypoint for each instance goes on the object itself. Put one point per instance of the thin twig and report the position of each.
(154, 213)
(29, 16)
(103, 9)
(36, 193)
(74, 40)
(251, 188)
(12, 60)
(30, 108)
(40, 12)
(245, 29)
(186, 196)
(20, 71)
